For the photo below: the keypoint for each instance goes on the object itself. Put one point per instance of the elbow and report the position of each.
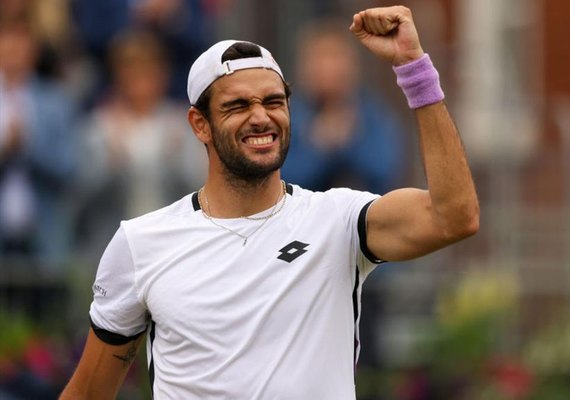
(471, 227)
(464, 224)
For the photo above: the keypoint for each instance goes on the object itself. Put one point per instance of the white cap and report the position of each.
(209, 67)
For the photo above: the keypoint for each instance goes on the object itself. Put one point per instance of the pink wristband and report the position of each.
(419, 81)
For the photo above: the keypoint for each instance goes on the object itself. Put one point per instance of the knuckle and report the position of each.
(405, 10)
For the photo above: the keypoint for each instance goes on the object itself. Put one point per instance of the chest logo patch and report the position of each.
(292, 251)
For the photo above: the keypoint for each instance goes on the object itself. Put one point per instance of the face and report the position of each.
(142, 83)
(327, 67)
(17, 51)
(249, 123)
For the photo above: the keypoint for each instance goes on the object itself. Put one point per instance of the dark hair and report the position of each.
(241, 50)
(132, 47)
(234, 52)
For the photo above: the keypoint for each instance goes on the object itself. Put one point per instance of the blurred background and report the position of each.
(92, 131)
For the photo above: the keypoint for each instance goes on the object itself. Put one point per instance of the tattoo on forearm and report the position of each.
(129, 356)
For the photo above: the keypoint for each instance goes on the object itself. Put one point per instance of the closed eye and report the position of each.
(235, 105)
(274, 101)
(274, 104)
(237, 108)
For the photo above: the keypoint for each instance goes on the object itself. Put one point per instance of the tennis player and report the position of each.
(250, 287)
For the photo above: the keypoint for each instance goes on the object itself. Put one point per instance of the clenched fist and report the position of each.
(389, 33)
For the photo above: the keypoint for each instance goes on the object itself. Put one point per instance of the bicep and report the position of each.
(102, 369)
(401, 226)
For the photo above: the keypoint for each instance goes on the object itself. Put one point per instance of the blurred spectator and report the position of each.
(36, 152)
(342, 133)
(53, 27)
(181, 24)
(139, 151)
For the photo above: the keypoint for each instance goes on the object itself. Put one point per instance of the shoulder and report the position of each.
(50, 99)
(48, 89)
(342, 198)
(163, 217)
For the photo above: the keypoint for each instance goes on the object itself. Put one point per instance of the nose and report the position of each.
(258, 115)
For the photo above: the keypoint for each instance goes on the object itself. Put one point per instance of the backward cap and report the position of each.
(208, 67)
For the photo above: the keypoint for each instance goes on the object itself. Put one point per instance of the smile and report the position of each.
(260, 140)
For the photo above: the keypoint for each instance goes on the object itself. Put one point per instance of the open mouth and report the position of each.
(260, 140)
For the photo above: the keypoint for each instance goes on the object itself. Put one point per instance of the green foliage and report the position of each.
(15, 333)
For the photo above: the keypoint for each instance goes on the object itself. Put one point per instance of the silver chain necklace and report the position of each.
(265, 218)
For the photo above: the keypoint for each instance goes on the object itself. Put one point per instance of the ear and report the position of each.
(200, 125)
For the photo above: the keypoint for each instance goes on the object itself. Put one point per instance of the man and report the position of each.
(250, 287)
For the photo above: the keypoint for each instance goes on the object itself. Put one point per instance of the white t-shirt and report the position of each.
(274, 319)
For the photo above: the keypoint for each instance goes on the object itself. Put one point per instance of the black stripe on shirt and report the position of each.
(356, 312)
(151, 364)
(112, 338)
(362, 235)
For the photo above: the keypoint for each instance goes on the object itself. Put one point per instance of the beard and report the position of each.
(238, 165)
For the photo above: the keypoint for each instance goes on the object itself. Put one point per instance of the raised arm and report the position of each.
(408, 223)
(101, 370)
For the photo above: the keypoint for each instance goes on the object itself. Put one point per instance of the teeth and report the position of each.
(259, 140)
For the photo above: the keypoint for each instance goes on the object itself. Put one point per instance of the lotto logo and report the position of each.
(292, 251)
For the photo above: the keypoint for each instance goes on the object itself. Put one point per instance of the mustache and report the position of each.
(256, 130)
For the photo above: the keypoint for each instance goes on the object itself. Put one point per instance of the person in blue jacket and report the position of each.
(343, 133)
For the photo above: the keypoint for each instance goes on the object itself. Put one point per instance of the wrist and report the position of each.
(419, 80)
(408, 58)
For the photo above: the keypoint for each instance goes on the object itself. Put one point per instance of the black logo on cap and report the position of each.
(292, 251)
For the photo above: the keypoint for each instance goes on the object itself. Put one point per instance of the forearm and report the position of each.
(101, 370)
(81, 387)
(452, 191)
(86, 385)
(408, 223)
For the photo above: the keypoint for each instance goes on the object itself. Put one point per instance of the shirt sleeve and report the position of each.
(117, 314)
(353, 207)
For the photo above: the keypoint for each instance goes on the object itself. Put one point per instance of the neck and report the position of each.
(233, 199)
(136, 107)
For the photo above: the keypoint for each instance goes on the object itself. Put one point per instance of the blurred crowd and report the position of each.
(93, 131)
(93, 127)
